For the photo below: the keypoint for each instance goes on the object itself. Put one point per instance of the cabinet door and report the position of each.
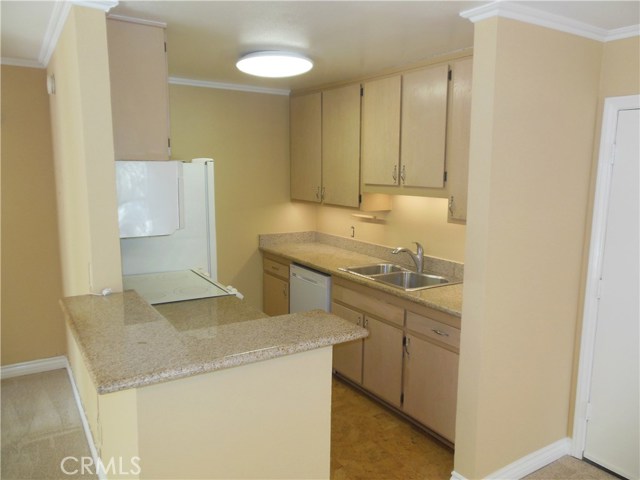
(382, 360)
(431, 385)
(341, 146)
(458, 138)
(139, 91)
(381, 131)
(424, 123)
(306, 135)
(347, 357)
(275, 295)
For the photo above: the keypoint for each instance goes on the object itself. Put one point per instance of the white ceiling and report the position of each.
(346, 39)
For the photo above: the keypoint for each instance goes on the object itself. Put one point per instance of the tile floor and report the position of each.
(369, 442)
(41, 425)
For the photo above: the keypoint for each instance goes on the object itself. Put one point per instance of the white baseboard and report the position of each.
(529, 463)
(34, 366)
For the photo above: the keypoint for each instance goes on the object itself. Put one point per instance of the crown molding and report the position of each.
(104, 5)
(534, 16)
(20, 62)
(227, 86)
(54, 30)
(139, 21)
(622, 33)
(56, 24)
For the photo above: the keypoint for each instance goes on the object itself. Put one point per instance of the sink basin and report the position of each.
(376, 269)
(397, 276)
(411, 280)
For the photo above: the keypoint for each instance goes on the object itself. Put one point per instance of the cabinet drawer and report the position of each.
(277, 269)
(433, 329)
(367, 304)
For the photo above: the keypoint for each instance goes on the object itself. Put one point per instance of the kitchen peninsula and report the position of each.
(209, 388)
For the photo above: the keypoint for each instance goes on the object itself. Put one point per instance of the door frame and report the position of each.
(612, 105)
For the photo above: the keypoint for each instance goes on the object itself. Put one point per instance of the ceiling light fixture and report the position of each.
(274, 64)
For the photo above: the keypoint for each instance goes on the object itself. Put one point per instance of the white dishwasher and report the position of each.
(309, 290)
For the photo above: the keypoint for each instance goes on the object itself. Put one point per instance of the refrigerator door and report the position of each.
(191, 247)
(148, 197)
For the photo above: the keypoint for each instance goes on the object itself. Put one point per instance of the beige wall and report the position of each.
(247, 134)
(411, 219)
(534, 109)
(84, 158)
(620, 76)
(32, 324)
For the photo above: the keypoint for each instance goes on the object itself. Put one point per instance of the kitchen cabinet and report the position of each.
(139, 90)
(275, 286)
(306, 147)
(382, 360)
(381, 131)
(409, 360)
(381, 351)
(325, 146)
(347, 357)
(458, 128)
(431, 374)
(404, 129)
(424, 122)
(341, 146)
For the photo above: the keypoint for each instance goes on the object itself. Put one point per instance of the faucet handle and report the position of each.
(419, 247)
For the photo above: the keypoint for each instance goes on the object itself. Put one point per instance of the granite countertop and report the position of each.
(328, 259)
(127, 343)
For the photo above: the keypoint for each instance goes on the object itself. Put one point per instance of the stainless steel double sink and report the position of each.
(397, 276)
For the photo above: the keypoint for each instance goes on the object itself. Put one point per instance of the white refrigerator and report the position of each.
(166, 213)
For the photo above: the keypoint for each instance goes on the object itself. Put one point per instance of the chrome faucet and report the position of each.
(416, 257)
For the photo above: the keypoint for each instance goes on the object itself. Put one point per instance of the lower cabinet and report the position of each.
(382, 360)
(431, 385)
(409, 359)
(347, 357)
(275, 286)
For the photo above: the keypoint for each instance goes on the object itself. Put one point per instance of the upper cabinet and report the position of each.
(341, 146)
(404, 129)
(139, 90)
(325, 146)
(381, 131)
(402, 134)
(306, 147)
(424, 123)
(458, 129)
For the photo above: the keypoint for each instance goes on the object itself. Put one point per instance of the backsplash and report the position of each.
(439, 266)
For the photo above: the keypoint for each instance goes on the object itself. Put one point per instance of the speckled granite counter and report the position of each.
(305, 249)
(126, 343)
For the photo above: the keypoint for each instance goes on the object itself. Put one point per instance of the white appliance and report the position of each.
(168, 267)
(309, 290)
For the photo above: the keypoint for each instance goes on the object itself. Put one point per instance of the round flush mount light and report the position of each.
(274, 64)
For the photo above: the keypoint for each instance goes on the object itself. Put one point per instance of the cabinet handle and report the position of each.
(403, 174)
(439, 332)
(322, 194)
(318, 193)
(395, 173)
(284, 292)
(451, 205)
(366, 323)
(406, 346)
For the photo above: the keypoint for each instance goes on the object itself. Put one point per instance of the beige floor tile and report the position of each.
(40, 426)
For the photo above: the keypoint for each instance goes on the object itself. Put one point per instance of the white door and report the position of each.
(612, 438)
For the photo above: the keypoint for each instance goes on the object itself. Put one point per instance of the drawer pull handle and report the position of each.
(439, 332)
